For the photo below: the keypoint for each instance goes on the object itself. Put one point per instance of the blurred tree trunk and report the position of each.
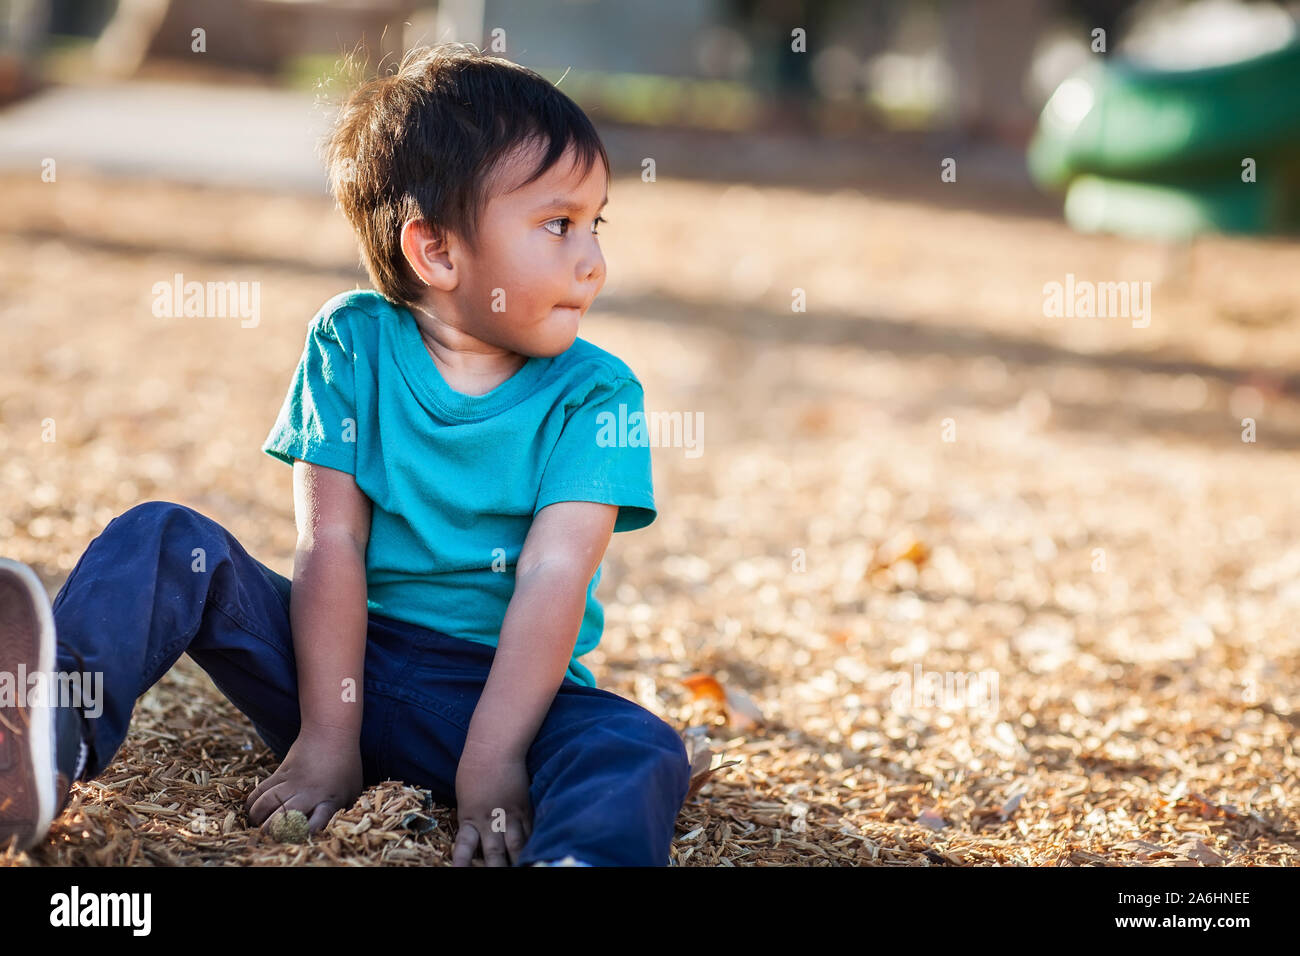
(990, 46)
(23, 28)
(122, 47)
(784, 76)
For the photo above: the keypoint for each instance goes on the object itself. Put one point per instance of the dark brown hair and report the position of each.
(422, 142)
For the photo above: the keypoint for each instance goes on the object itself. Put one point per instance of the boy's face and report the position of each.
(537, 265)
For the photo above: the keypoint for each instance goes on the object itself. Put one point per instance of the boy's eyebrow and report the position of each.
(566, 205)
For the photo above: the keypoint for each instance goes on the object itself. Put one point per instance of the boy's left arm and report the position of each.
(565, 544)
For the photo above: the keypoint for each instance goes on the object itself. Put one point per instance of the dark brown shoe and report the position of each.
(29, 798)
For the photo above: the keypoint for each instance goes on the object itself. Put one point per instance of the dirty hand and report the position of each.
(320, 774)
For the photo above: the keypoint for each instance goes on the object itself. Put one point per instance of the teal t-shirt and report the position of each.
(454, 480)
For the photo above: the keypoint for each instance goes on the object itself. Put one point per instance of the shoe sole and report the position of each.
(26, 762)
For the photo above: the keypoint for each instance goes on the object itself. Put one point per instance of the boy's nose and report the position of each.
(591, 268)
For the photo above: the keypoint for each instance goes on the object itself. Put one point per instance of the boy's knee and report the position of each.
(150, 511)
(162, 515)
(164, 531)
(661, 743)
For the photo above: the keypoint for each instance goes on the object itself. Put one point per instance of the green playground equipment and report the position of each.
(1169, 154)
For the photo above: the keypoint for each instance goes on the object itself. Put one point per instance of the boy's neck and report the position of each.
(467, 365)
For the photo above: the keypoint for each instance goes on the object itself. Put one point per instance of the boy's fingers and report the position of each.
(321, 816)
(265, 785)
(516, 837)
(268, 803)
(255, 793)
(466, 842)
(494, 849)
(265, 820)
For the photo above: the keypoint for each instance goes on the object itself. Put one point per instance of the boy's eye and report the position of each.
(564, 222)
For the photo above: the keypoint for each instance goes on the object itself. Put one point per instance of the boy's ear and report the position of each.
(431, 254)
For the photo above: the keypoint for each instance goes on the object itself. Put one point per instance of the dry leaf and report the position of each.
(1197, 850)
(700, 779)
(700, 756)
(742, 712)
(1010, 806)
(1210, 810)
(705, 686)
(904, 546)
(816, 419)
(696, 740)
(1144, 850)
(932, 820)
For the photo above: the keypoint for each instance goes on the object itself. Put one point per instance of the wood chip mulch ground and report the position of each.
(922, 474)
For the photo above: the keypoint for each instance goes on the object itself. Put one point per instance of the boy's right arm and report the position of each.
(328, 617)
(328, 613)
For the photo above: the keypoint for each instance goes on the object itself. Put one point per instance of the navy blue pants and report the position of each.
(607, 776)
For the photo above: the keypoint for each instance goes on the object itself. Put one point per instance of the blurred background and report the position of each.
(835, 228)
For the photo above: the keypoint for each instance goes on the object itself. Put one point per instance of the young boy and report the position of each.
(455, 488)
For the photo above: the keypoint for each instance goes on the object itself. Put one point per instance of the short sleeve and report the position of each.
(603, 455)
(317, 421)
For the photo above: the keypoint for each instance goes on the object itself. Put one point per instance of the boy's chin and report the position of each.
(553, 348)
(553, 345)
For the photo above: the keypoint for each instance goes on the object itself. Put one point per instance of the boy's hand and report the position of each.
(491, 790)
(320, 774)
